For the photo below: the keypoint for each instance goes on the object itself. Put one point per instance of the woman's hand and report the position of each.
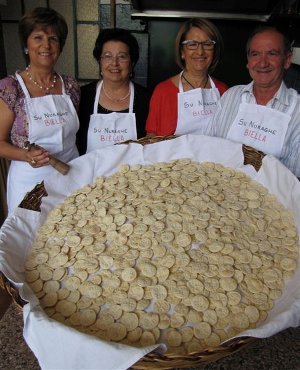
(37, 156)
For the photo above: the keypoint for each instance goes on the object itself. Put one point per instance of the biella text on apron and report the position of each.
(261, 127)
(196, 108)
(111, 128)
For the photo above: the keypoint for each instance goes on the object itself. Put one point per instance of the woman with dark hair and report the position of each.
(186, 102)
(37, 105)
(113, 109)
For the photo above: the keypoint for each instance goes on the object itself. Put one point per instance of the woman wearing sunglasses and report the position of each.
(113, 109)
(185, 103)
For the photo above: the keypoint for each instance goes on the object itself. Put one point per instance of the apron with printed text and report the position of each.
(261, 127)
(196, 108)
(52, 124)
(111, 128)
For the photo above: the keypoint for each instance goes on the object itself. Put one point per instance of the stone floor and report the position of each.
(280, 352)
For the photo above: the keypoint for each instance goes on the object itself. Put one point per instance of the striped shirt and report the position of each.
(229, 105)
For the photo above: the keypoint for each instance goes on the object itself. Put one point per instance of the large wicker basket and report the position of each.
(154, 360)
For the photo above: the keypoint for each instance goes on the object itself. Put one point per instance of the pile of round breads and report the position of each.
(183, 253)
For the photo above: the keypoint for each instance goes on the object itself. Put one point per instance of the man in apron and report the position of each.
(264, 114)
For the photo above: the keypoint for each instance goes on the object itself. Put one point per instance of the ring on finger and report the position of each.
(33, 161)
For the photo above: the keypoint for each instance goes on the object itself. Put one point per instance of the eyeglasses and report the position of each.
(194, 44)
(120, 57)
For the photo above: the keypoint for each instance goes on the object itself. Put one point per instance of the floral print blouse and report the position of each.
(12, 94)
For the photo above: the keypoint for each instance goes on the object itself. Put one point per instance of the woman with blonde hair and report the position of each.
(185, 103)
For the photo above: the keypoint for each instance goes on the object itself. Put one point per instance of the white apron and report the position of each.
(111, 128)
(196, 108)
(261, 127)
(52, 124)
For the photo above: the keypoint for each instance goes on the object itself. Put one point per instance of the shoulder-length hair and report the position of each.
(42, 18)
(212, 32)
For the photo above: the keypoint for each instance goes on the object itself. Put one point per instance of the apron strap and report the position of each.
(212, 84)
(63, 89)
(98, 89)
(180, 86)
(131, 97)
(25, 90)
(23, 86)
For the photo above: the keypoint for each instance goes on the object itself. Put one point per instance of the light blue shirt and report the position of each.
(229, 105)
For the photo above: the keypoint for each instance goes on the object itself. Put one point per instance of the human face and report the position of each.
(118, 67)
(197, 61)
(267, 60)
(43, 47)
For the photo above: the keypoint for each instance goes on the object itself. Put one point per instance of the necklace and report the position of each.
(183, 76)
(45, 88)
(114, 99)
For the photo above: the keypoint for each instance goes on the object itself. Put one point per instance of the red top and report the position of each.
(163, 112)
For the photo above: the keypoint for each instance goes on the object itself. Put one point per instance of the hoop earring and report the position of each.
(26, 51)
